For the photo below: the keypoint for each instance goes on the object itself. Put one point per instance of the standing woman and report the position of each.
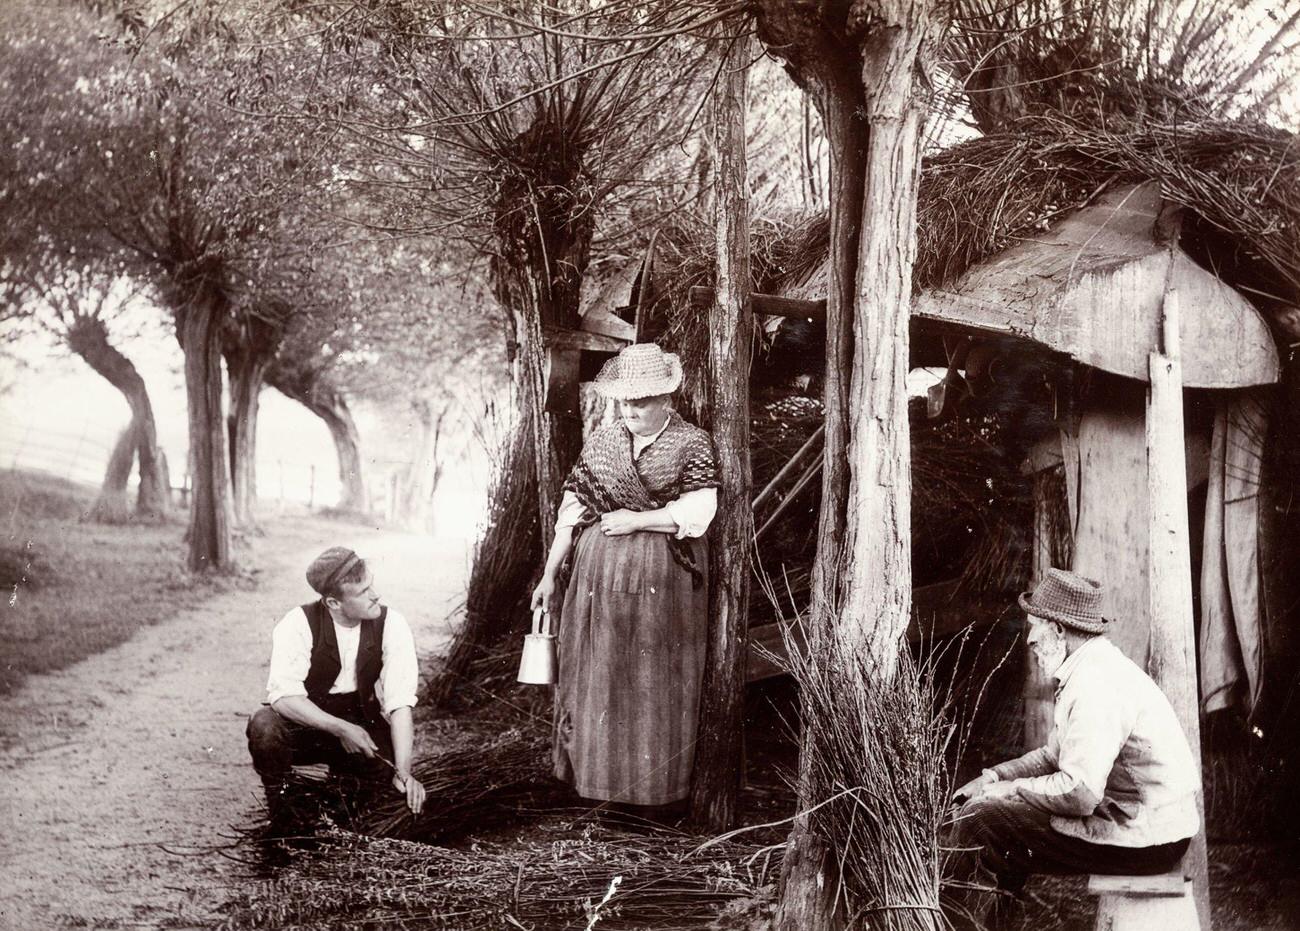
(634, 624)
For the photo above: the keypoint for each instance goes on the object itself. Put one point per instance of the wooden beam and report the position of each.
(770, 305)
(599, 320)
(556, 338)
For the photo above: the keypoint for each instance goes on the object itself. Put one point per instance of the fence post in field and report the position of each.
(22, 445)
(76, 451)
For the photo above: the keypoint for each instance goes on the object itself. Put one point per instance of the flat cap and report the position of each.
(330, 566)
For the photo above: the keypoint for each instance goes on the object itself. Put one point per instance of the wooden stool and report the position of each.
(1144, 903)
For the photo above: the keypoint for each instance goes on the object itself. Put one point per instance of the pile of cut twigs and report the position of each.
(470, 789)
(596, 877)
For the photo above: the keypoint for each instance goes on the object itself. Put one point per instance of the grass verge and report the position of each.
(74, 589)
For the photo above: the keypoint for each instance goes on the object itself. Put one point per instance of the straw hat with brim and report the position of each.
(641, 370)
(1067, 598)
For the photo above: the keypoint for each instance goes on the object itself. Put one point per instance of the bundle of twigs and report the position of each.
(596, 878)
(876, 736)
(470, 789)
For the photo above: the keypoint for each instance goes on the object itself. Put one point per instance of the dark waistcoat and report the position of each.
(326, 663)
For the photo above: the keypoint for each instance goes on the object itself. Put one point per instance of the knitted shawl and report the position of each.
(606, 478)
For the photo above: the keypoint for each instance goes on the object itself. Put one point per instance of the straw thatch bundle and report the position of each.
(1242, 179)
(598, 877)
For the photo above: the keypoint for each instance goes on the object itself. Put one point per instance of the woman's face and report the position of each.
(645, 416)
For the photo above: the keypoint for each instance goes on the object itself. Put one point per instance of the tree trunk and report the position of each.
(878, 578)
(556, 438)
(110, 505)
(154, 499)
(828, 69)
(717, 774)
(863, 556)
(543, 229)
(809, 871)
(419, 480)
(332, 407)
(312, 391)
(199, 329)
(88, 338)
(247, 370)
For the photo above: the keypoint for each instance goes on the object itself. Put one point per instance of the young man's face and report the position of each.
(357, 601)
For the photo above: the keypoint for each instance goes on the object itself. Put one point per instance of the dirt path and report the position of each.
(130, 768)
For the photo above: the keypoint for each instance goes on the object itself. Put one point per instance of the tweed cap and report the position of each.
(641, 370)
(330, 566)
(1067, 598)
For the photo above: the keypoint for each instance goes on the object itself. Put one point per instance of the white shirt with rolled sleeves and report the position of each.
(1117, 768)
(291, 643)
(692, 511)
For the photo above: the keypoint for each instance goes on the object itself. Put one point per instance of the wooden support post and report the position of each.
(717, 775)
(1040, 688)
(1172, 661)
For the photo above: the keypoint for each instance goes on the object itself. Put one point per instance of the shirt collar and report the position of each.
(641, 442)
(1073, 661)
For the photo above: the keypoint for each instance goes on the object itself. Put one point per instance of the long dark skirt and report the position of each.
(631, 657)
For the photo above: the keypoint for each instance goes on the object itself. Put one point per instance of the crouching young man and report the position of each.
(1114, 790)
(341, 688)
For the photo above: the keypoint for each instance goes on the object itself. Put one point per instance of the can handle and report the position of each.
(541, 621)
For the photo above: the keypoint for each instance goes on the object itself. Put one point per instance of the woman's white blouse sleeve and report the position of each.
(570, 511)
(694, 511)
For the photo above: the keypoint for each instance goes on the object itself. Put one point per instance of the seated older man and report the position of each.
(1114, 790)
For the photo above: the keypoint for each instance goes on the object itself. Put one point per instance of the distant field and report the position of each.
(71, 589)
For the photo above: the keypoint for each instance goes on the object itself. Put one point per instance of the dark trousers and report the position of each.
(1011, 839)
(278, 744)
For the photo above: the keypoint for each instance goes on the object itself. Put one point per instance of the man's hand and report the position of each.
(975, 788)
(999, 790)
(356, 739)
(620, 523)
(410, 787)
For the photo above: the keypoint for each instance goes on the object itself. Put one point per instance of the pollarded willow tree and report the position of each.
(865, 66)
(155, 164)
(477, 125)
(401, 330)
(59, 274)
(80, 307)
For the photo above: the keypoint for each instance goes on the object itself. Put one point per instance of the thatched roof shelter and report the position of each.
(1091, 287)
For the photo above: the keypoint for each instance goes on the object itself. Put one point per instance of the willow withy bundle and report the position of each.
(469, 789)
(598, 877)
(876, 775)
